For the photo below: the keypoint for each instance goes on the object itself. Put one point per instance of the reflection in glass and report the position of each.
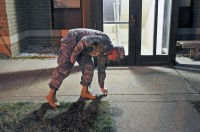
(148, 15)
(163, 27)
(116, 21)
(118, 39)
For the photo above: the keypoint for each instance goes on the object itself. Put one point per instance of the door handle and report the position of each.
(133, 18)
(132, 21)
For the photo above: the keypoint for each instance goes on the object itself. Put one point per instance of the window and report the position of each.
(67, 14)
(185, 17)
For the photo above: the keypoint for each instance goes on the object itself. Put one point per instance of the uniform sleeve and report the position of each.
(82, 44)
(102, 65)
(78, 48)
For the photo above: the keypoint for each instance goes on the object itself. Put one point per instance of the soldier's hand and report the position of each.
(72, 59)
(104, 90)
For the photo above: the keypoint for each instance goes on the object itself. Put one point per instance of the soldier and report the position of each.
(81, 45)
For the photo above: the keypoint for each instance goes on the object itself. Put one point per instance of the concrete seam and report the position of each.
(187, 81)
(35, 79)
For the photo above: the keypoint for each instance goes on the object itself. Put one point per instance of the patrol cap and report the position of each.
(116, 53)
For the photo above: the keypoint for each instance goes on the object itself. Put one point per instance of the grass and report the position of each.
(77, 116)
(196, 105)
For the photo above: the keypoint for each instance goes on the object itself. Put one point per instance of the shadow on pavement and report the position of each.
(79, 116)
(18, 79)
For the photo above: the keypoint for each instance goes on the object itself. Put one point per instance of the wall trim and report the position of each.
(37, 33)
(17, 37)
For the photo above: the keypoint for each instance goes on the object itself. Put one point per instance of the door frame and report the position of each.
(135, 57)
(158, 59)
(98, 25)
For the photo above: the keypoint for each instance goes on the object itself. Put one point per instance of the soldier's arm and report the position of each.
(82, 44)
(102, 65)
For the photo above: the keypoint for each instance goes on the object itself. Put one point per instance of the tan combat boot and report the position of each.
(51, 98)
(86, 94)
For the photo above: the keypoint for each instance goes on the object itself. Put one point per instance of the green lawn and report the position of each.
(77, 116)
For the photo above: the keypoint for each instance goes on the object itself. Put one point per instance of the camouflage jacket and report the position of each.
(85, 43)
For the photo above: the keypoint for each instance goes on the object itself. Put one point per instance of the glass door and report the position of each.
(155, 31)
(118, 19)
(143, 27)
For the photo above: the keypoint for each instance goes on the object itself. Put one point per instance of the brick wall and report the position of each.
(28, 15)
(53, 41)
(5, 47)
(17, 22)
(188, 37)
(194, 32)
(17, 47)
(16, 12)
(39, 18)
(196, 10)
(39, 14)
(23, 17)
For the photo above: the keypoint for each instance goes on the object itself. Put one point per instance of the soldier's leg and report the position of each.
(59, 74)
(63, 69)
(87, 75)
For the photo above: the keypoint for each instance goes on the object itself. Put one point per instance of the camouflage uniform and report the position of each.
(80, 43)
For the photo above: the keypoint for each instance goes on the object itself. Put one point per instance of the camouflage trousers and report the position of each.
(64, 68)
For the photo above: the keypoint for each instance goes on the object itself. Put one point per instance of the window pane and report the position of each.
(118, 34)
(163, 27)
(148, 15)
(116, 21)
(116, 10)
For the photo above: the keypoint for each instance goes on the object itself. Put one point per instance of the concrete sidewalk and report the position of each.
(142, 99)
